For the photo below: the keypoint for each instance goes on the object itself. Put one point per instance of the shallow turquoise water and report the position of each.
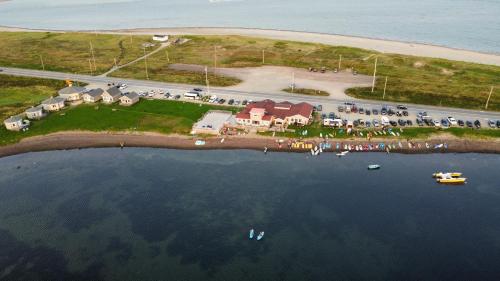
(469, 24)
(151, 214)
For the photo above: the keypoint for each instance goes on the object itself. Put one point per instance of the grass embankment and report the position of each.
(307, 92)
(19, 93)
(410, 79)
(69, 52)
(168, 117)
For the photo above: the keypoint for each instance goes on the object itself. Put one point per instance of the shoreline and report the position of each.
(375, 44)
(82, 140)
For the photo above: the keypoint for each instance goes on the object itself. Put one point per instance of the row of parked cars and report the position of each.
(215, 99)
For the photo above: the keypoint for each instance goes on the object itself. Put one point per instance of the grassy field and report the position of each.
(307, 92)
(68, 52)
(19, 93)
(410, 79)
(168, 117)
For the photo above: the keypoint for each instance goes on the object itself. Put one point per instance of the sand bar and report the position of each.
(380, 45)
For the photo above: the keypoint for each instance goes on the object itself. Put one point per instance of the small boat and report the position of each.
(373, 167)
(251, 233)
(260, 236)
(451, 180)
(265, 152)
(443, 175)
(199, 142)
(222, 140)
(343, 153)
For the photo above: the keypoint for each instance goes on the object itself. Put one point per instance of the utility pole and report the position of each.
(166, 52)
(340, 61)
(92, 52)
(215, 57)
(374, 74)
(385, 86)
(41, 60)
(146, 63)
(206, 79)
(293, 81)
(90, 66)
(115, 63)
(489, 96)
(263, 56)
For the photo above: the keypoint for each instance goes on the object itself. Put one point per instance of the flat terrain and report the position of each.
(167, 117)
(69, 52)
(410, 79)
(19, 93)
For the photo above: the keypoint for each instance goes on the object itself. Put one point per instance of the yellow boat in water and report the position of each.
(451, 180)
(443, 175)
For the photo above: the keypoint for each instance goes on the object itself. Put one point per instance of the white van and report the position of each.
(384, 121)
(192, 95)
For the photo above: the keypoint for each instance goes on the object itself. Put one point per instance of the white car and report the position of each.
(436, 123)
(452, 120)
(212, 99)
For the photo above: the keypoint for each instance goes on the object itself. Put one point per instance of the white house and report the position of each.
(53, 104)
(93, 95)
(15, 123)
(71, 93)
(160, 38)
(35, 112)
(129, 99)
(111, 95)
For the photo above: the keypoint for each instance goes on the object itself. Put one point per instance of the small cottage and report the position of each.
(53, 104)
(71, 93)
(14, 123)
(129, 99)
(93, 95)
(35, 112)
(111, 95)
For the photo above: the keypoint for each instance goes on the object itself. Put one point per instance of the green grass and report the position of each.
(167, 117)
(19, 93)
(410, 79)
(68, 52)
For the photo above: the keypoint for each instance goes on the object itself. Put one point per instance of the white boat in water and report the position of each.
(343, 153)
(260, 236)
(251, 233)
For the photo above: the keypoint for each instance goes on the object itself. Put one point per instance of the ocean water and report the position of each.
(468, 24)
(157, 214)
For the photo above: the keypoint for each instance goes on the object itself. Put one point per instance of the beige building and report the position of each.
(15, 123)
(93, 95)
(129, 99)
(71, 94)
(53, 104)
(111, 95)
(35, 112)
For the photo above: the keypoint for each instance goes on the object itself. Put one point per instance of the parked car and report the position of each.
(445, 123)
(405, 113)
(383, 111)
(222, 101)
(198, 90)
(354, 109)
(452, 121)
(319, 107)
(323, 116)
(341, 108)
(361, 110)
(368, 124)
(436, 123)
(244, 102)
(420, 122)
(401, 122)
(460, 123)
(237, 102)
(374, 112)
(390, 112)
(331, 115)
(477, 123)
(402, 107)
(498, 123)
(167, 95)
(177, 97)
(368, 112)
(409, 123)
(393, 123)
(230, 102)
(491, 123)
(376, 123)
(469, 124)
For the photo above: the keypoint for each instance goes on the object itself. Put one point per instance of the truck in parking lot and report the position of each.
(192, 95)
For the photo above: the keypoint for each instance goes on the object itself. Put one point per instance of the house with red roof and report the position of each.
(267, 113)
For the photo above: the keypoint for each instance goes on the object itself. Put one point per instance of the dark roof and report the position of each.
(280, 110)
(95, 92)
(114, 91)
(71, 90)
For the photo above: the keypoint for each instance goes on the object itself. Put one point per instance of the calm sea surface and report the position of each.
(157, 214)
(469, 24)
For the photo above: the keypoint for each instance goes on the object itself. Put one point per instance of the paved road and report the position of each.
(328, 103)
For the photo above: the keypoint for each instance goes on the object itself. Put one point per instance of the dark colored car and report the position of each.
(198, 90)
(230, 102)
(341, 108)
(393, 123)
(390, 112)
(319, 107)
(445, 123)
(383, 111)
(402, 107)
(368, 112)
(244, 102)
(401, 122)
(375, 112)
(409, 123)
(177, 97)
(498, 123)
(331, 115)
(460, 123)
(477, 123)
(469, 124)
(420, 122)
(354, 109)
(355, 123)
(323, 116)
(405, 113)
(361, 110)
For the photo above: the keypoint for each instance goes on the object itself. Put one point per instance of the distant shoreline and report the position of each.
(80, 140)
(380, 45)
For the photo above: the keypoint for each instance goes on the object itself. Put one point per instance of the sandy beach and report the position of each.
(384, 46)
(78, 140)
